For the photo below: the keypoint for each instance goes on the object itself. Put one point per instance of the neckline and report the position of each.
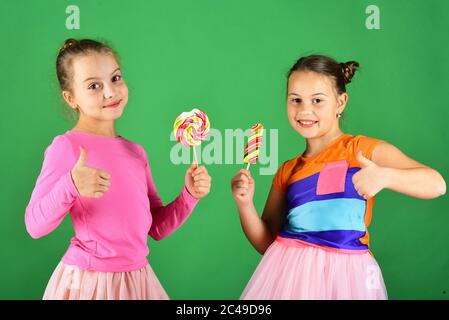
(94, 135)
(307, 159)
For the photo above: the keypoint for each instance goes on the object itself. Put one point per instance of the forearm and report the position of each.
(45, 213)
(422, 182)
(166, 219)
(255, 229)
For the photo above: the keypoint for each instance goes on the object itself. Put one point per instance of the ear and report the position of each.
(342, 101)
(68, 97)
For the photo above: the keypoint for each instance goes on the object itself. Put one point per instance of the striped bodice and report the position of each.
(323, 207)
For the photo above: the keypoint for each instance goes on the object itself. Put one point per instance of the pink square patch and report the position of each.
(332, 177)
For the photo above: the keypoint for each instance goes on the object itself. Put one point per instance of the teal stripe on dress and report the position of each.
(327, 215)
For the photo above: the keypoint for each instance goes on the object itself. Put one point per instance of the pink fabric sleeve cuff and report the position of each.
(189, 200)
(68, 181)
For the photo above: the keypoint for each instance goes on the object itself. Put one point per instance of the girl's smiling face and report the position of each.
(97, 87)
(313, 104)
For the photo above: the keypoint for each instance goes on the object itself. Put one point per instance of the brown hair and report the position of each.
(342, 73)
(72, 48)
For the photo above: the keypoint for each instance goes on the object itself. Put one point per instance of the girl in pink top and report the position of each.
(105, 182)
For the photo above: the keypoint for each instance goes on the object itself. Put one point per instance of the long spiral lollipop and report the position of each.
(191, 128)
(253, 145)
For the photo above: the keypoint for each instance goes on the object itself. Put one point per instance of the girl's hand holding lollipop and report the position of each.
(190, 129)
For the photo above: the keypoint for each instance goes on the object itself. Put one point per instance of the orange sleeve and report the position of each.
(280, 178)
(366, 145)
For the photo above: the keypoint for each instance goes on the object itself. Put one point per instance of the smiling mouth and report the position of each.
(113, 105)
(306, 123)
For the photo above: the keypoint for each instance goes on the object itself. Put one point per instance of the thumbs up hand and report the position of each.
(370, 179)
(89, 182)
(197, 181)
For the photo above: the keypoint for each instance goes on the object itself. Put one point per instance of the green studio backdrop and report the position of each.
(229, 58)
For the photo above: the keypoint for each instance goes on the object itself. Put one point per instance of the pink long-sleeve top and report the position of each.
(111, 231)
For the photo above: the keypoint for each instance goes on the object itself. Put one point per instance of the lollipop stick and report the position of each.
(194, 156)
(247, 167)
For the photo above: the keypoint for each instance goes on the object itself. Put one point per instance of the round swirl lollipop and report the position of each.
(191, 128)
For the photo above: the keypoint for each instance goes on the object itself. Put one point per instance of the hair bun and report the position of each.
(348, 69)
(68, 43)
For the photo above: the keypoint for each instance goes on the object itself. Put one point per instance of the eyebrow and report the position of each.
(315, 94)
(92, 78)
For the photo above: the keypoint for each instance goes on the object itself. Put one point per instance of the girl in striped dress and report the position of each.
(313, 232)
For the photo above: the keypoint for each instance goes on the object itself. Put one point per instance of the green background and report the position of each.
(229, 58)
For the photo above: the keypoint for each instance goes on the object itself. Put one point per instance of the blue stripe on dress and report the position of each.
(326, 215)
(304, 190)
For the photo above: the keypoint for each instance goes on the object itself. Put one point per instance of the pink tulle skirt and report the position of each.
(69, 282)
(293, 270)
